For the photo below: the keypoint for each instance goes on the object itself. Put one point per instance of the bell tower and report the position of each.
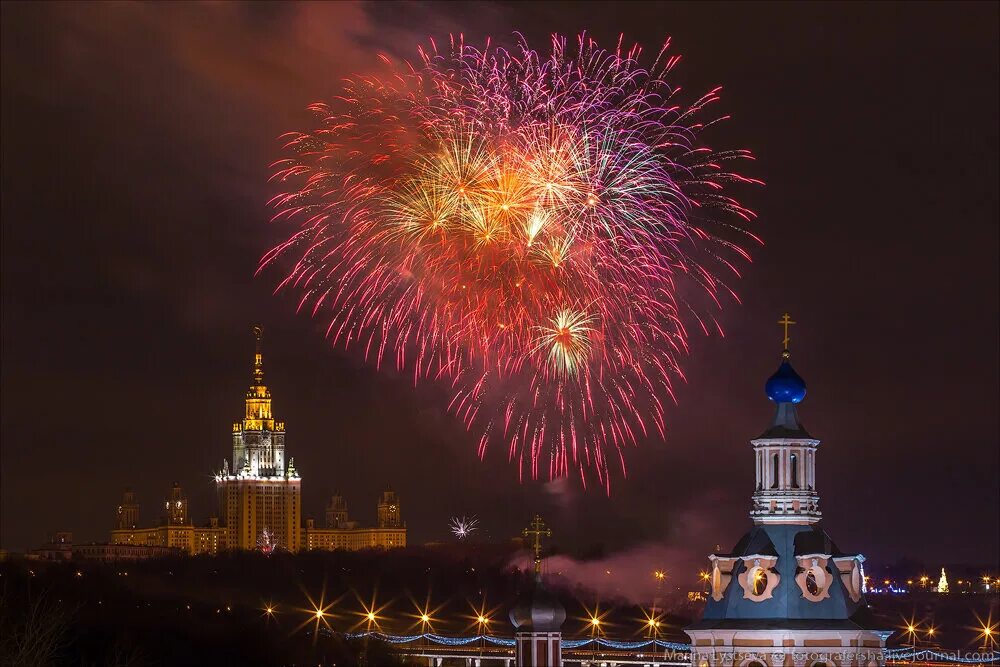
(785, 454)
(786, 594)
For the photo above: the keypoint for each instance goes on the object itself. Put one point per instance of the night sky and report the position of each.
(136, 146)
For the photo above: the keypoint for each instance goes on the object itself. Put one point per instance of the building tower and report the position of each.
(537, 616)
(128, 511)
(336, 512)
(260, 491)
(389, 513)
(175, 507)
(785, 594)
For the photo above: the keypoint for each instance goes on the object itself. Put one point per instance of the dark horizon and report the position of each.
(136, 148)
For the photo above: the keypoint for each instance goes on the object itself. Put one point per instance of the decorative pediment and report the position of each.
(813, 578)
(851, 574)
(759, 578)
(722, 574)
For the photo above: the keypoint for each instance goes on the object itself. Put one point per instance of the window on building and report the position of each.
(775, 468)
(759, 582)
(812, 585)
(795, 471)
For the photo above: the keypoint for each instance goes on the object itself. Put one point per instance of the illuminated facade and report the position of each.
(785, 594)
(175, 530)
(260, 491)
(342, 533)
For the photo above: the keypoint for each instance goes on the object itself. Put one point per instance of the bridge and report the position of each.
(495, 651)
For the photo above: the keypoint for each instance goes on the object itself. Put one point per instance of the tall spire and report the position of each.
(258, 359)
(258, 398)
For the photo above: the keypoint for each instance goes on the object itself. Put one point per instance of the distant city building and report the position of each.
(342, 533)
(128, 511)
(61, 547)
(785, 594)
(260, 494)
(175, 530)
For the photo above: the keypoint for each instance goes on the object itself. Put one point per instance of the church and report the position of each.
(786, 594)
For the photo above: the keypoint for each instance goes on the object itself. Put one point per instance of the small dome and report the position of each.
(537, 610)
(785, 386)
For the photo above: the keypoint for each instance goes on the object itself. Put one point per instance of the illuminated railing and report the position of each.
(903, 653)
(509, 643)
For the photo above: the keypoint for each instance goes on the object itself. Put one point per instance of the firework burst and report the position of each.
(538, 232)
(267, 542)
(461, 526)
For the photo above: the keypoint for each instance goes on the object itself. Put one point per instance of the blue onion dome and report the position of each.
(785, 386)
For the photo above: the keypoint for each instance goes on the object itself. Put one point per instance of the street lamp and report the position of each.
(483, 622)
(653, 628)
(910, 629)
(595, 634)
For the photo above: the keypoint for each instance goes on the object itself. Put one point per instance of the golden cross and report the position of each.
(786, 321)
(537, 531)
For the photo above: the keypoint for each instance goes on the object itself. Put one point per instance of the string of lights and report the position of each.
(504, 641)
(897, 654)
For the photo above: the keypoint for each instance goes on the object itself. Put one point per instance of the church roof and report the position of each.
(785, 424)
(537, 610)
(787, 602)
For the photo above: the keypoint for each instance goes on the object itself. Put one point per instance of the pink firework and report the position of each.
(538, 232)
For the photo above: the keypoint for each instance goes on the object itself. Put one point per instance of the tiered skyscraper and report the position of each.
(260, 491)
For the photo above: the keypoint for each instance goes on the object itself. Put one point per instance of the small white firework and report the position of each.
(462, 526)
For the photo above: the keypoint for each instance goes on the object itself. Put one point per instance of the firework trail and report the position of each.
(540, 232)
(461, 526)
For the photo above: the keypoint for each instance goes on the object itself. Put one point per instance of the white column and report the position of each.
(781, 468)
(760, 480)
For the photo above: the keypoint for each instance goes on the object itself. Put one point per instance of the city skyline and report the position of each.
(144, 326)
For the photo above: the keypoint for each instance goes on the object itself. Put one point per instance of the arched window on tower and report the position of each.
(795, 471)
(774, 472)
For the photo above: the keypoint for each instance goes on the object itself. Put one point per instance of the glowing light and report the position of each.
(425, 618)
(462, 527)
(532, 237)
